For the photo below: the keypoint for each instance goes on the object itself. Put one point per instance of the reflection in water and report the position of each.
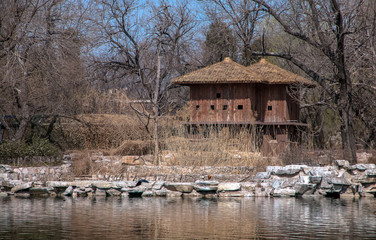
(194, 218)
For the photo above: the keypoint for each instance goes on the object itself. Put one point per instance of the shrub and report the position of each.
(35, 147)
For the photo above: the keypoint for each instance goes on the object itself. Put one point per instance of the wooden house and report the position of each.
(227, 93)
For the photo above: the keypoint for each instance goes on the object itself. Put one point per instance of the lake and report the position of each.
(187, 218)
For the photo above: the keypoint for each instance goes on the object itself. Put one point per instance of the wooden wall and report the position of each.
(241, 103)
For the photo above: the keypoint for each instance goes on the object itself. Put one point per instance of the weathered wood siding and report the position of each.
(231, 102)
(241, 103)
(275, 105)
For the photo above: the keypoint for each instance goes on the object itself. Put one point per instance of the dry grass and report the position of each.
(119, 133)
(212, 147)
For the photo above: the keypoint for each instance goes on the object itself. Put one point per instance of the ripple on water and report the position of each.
(195, 218)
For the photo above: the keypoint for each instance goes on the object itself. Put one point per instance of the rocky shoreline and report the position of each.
(277, 181)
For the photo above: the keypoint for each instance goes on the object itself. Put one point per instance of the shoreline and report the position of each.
(277, 181)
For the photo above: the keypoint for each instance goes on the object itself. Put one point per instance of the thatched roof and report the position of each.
(229, 71)
(226, 71)
(273, 74)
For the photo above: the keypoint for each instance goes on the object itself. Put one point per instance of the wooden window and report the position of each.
(212, 107)
(197, 107)
(269, 108)
(240, 107)
(224, 107)
(218, 95)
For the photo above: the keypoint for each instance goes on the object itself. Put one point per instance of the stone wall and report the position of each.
(277, 181)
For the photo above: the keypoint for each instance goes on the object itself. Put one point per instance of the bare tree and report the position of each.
(323, 31)
(39, 61)
(146, 52)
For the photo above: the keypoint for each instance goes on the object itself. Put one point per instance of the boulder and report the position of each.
(362, 167)
(68, 191)
(102, 185)
(113, 192)
(3, 194)
(283, 183)
(262, 175)
(342, 163)
(315, 179)
(22, 187)
(247, 186)
(158, 185)
(100, 192)
(371, 173)
(287, 171)
(22, 194)
(148, 193)
(180, 187)
(327, 171)
(229, 187)
(285, 192)
(78, 192)
(206, 186)
(302, 188)
(6, 169)
(231, 194)
(262, 191)
(173, 194)
(41, 191)
(272, 169)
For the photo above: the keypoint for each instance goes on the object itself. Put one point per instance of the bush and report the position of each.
(35, 147)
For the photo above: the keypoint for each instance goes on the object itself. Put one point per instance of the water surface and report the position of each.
(189, 218)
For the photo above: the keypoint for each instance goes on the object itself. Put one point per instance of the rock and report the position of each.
(342, 163)
(6, 169)
(371, 173)
(100, 192)
(247, 186)
(78, 192)
(122, 184)
(161, 193)
(229, 187)
(207, 189)
(148, 193)
(206, 183)
(272, 169)
(22, 187)
(22, 194)
(283, 183)
(304, 179)
(41, 191)
(68, 191)
(362, 167)
(327, 171)
(158, 185)
(3, 176)
(3, 194)
(57, 184)
(137, 191)
(286, 192)
(113, 192)
(262, 175)
(287, 171)
(180, 187)
(302, 188)
(206, 186)
(102, 185)
(231, 194)
(315, 179)
(82, 184)
(262, 192)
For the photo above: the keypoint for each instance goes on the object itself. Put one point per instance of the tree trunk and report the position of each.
(156, 110)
